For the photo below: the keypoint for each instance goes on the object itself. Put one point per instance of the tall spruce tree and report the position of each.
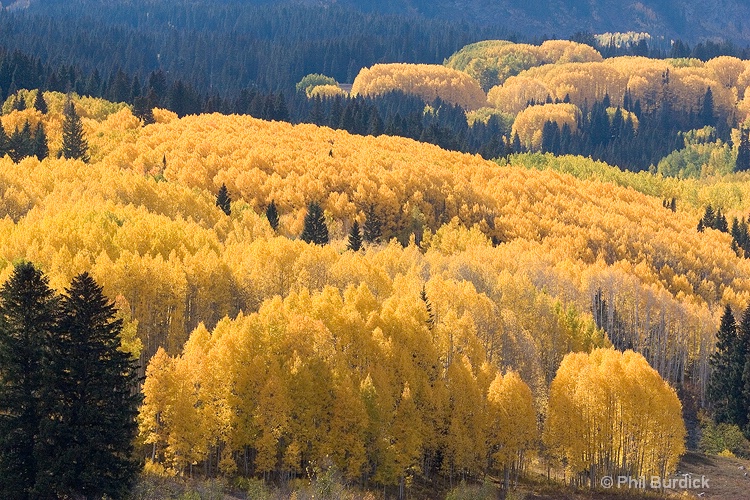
(39, 103)
(315, 229)
(41, 148)
(21, 143)
(85, 445)
(223, 200)
(272, 215)
(28, 317)
(4, 142)
(741, 373)
(143, 110)
(355, 238)
(372, 226)
(74, 145)
(726, 387)
(707, 116)
(743, 152)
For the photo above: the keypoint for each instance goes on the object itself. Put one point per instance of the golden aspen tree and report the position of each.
(512, 433)
(349, 421)
(153, 414)
(464, 442)
(406, 439)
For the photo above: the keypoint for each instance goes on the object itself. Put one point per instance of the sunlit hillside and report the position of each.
(481, 269)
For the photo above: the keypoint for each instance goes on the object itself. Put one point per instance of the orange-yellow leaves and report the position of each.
(511, 420)
(650, 81)
(530, 122)
(491, 62)
(610, 411)
(324, 91)
(425, 80)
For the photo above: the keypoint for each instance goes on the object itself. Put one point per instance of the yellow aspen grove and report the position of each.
(425, 80)
(530, 122)
(266, 356)
(611, 414)
(325, 91)
(492, 62)
(515, 94)
(682, 83)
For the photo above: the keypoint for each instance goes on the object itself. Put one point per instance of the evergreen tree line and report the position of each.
(616, 140)
(659, 49)
(739, 230)
(226, 46)
(740, 237)
(68, 395)
(714, 219)
(24, 142)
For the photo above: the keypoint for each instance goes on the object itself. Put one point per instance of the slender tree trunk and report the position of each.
(506, 481)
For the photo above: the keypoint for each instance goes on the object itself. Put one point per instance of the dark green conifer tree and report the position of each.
(551, 138)
(315, 229)
(272, 215)
(707, 115)
(223, 200)
(355, 238)
(372, 227)
(741, 370)
(40, 104)
(21, 143)
(280, 109)
(743, 152)
(375, 125)
(316, 112)
(142, 109)
(516, 146)
(19, 104)
(86, 437)
(4, 142)
(74, 145)
(28, 318)
(709, 217)
(726, 387)
(41, 148)
(430, 314)
(720, 222)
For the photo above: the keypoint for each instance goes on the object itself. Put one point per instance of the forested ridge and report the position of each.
(227, 46)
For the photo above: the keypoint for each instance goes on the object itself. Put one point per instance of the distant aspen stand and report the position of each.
(530, 122)
(428, 81)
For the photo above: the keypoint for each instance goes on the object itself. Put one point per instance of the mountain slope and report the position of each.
(690, 20)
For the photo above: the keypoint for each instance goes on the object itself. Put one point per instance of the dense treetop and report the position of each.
(427, 81)
(491, 62)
